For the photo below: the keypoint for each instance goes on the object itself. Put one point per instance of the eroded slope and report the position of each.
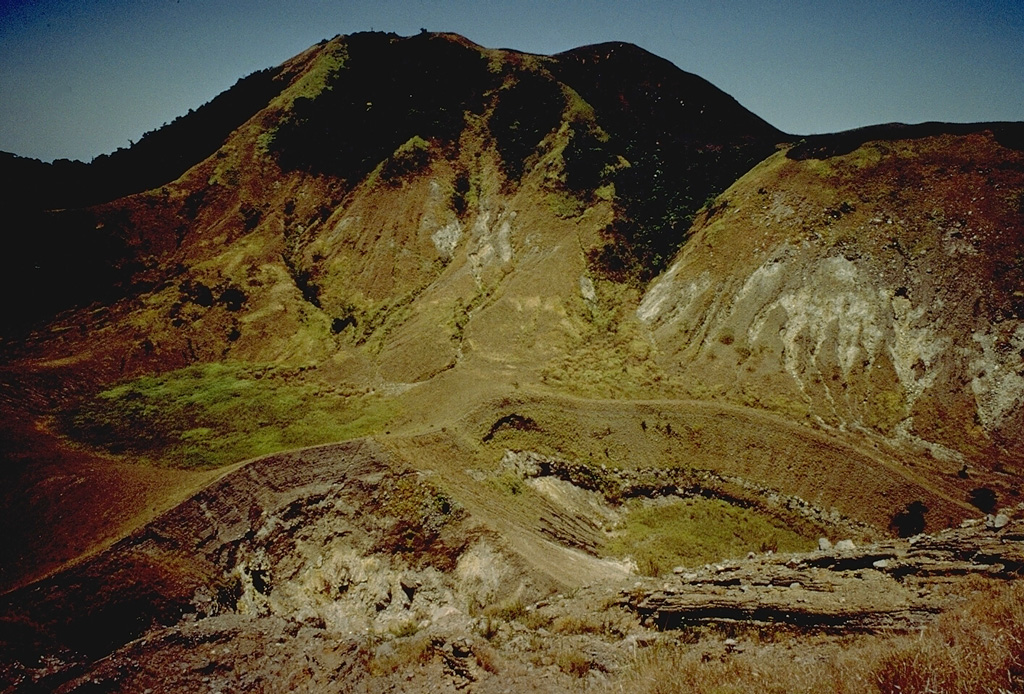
(876, 290)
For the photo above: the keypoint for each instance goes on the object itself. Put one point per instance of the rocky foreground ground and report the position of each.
(330, 570)
(896, 585)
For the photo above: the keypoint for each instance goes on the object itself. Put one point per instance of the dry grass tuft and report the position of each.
(578, 624)
(537, 619)
(506, 611)
(979, 648)
(486, 657)
(413, 651)
(573, 663)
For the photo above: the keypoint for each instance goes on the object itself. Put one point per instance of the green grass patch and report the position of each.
(323, 72)
(211, 415)
(410, 157)
(565, 205)
(508, 483)
(696, 531)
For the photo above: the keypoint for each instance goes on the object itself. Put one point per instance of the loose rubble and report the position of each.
(896, 585)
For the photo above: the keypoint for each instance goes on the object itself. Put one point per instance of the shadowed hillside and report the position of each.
(65, 257)
(684, 139)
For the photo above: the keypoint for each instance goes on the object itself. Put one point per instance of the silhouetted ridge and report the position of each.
(159, 157)
(166, 153)
(387, 90)
(56, 261)
(685, 141)
(1009, 135)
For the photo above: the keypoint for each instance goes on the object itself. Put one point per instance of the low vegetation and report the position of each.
(695, 531)
(573, 663)
(977, 649)
(210, 415)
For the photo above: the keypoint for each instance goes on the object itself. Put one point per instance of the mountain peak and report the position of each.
(347, 108)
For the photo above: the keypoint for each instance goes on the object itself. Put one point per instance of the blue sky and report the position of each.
(82, 77)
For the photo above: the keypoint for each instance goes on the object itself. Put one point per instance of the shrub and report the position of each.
(983, 499)
(573, 663)
(910, 521)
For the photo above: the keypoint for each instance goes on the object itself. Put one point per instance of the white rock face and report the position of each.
(669, 299)
(998, 383)
(822, 316)
(658, 295)
(479, 573)
(842, 319)
(491, 239)
(504, 238)
(914, 348)
(446, 239)
(587, 290)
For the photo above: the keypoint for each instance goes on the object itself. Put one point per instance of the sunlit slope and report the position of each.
(406, 202)
(403, 210)
(874, 287)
